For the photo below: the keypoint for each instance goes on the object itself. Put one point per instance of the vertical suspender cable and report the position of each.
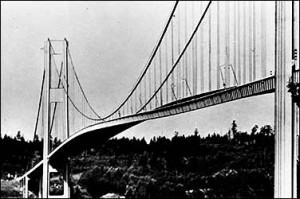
(193, 51)
(179, 68)
(140, 95)
(172, 52)
(154, 80)
(239, 42)
(188, 62)
(201, 55)
(149, 86)
(145, 90)
(135, 101)
(209, 51)
(250, 41)
(196, 63)
(234, 38)
(254, 41)
(227, 45)
(167, 68)
(160, 78)
(185, 56)
(244, 45)
(67, 88)
(218, 45)
(131, 105)
(263, 51)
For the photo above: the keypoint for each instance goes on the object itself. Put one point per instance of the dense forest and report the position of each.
(237, 164)
(17, 155)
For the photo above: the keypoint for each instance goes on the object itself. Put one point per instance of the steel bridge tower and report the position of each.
(286, 110)
(54, 95)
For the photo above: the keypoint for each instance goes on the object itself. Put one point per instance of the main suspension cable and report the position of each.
(149, 62)
(178, 59)
(40, 103)
(81, 86)
(84, 115)
(55, 105)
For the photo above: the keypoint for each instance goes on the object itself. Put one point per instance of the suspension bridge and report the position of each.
(208, 53)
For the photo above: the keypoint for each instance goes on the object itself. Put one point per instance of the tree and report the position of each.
(254, 130)
(266, 130)
(234, 128)
(36, 138)
(19, 137)
(176, 134)
(196, 132)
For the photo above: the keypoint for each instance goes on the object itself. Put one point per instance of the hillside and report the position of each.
(237, 164)
(181, 167)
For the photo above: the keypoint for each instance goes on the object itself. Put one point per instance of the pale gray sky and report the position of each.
(110, 43)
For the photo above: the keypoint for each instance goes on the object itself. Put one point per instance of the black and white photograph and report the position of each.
(150, 99)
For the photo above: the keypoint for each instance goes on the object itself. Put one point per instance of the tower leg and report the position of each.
(45, 187)
(67, 190)
(45, 180)
(40, 188)
(295, 106)
(283, 175)
(295, 148)
(23, 187)
(26, 187)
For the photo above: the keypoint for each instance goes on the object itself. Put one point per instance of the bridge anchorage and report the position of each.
(195, 64)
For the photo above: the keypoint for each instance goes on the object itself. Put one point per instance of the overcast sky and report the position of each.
(110, 43)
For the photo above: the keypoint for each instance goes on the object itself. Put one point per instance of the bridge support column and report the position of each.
(40, 187)
(45, 179)
(295, 148)
(67, 193)
(25, 187)
(284, 175)
(67, 190)
(295, 104)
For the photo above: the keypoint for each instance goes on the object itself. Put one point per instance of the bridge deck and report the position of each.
(97, 134)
